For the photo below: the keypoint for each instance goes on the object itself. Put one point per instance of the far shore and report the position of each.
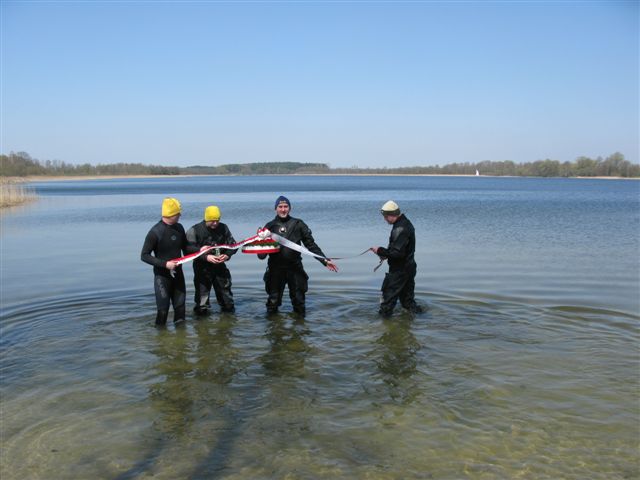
(63, 178)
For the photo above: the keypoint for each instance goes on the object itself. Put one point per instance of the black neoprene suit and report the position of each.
(206, 274)
(285, 267)
(399, 283)
(166, 242)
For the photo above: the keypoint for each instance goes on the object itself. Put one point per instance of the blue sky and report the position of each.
(371, 84)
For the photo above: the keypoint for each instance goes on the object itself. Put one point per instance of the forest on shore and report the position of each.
(21, 164)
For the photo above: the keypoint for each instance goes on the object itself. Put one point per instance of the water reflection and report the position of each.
(192, 373)
(396, 359)
(216, 358)
(193, 396)
(288, 348)
(171, 396)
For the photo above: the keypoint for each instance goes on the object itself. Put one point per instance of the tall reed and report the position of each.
(13, 192)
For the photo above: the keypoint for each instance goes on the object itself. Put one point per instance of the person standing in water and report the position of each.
(166, 240)
(284, 268)
(399, 283)
(210, 269)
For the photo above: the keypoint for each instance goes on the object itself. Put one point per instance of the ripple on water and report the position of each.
(477, 386)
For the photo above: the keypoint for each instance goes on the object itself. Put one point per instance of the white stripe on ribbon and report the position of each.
(295, 246)
(301, 249)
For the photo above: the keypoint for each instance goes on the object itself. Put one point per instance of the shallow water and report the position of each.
(525, 365)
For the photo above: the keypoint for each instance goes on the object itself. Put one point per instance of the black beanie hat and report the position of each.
(282, 199)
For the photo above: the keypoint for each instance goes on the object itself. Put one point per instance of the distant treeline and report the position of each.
(21, 164)
(613, 166)
(272, 168)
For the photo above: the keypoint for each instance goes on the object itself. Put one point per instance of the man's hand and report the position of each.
(331, 266)
(218, 258)
(374, 249)
(171, 266)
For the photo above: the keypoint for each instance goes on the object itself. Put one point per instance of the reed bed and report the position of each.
(14, 192)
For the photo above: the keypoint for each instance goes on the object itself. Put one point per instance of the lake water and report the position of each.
(526, 365)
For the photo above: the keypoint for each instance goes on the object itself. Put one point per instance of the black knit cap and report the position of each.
(282, 199)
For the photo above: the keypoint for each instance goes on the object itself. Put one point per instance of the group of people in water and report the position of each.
(168, 241)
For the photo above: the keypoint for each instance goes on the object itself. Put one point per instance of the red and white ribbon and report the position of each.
(262, 234)
(294, 246)
(305, 251)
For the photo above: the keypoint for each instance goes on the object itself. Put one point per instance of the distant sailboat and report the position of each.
(477, 173)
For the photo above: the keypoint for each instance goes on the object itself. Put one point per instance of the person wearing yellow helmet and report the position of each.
(166, 240)
(399, 283)
(210, 270)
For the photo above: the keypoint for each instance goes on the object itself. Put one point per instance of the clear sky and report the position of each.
(365, 83)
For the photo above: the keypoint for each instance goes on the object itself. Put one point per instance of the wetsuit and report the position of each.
(206, 274)
(285, 267)
(166, 242)
(399, 283)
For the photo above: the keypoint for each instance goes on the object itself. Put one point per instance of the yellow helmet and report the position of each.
(170, 207)
(211, 213)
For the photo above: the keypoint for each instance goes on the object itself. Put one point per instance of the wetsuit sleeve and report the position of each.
(309, 242)
(184, 240)
(150, 244)
(193, 245)
(397, 243)
(229, 240)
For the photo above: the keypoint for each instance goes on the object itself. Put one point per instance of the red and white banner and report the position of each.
(262, 235)
(264, 242)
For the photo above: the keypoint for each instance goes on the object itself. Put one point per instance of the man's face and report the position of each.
(212, 224)
(390, 219)
(282, 210)
(171, 220)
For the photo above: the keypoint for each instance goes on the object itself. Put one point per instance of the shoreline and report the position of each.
(63, 178)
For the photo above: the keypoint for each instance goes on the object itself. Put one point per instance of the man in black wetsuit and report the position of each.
(167, 240)
(210, 269)
(285, 267)
(400, 282)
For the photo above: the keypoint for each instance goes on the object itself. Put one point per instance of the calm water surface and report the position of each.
(526, 364)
